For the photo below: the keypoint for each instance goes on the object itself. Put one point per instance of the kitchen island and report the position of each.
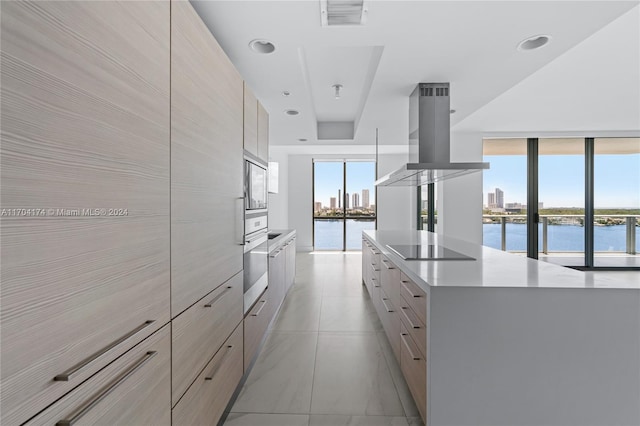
(506, 340)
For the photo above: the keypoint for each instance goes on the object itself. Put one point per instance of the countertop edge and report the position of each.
(277, 242)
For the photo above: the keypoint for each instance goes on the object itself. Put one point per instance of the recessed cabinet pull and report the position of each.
(405, 309)
(384, 303)
(215, 369)
(215, 299)
(124, 376)
(404, 340)
(68, 375)
(256, 313)
(404, 284)
(374, 282)
(374, 267)
(277, 254)
(385, 263)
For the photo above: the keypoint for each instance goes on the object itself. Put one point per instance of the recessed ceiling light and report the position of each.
(286, 93)
(535, 42)
(262, 46)
(302, 139)
(291, 112)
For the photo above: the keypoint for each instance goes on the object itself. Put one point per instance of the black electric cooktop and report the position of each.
(427, 252)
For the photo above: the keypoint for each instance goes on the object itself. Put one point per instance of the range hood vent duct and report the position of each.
(429, 141)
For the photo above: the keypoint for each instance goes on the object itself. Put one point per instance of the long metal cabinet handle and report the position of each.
(256, 313)
(215, 299)
(402, 336)
(68, 375)
(215, 369)
(385, 305)
(411, 323)
(102, 395)
(404, 284)
(384, 262)
(240, 224)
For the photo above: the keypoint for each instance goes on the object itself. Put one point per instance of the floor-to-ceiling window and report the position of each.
(616, 234)
(587, 199)
(344, 203)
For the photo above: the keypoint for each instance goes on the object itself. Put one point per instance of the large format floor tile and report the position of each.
(352, 377)
(281, 380)
(326, 361)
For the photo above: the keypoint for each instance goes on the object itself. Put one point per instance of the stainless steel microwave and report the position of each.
(255, 185)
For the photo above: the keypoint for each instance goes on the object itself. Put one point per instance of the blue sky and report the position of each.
(328, 179)
(616, 180)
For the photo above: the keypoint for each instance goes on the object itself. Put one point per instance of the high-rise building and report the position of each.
(365, 198)
(339, 198)
(356, 200)
(346, 200)
(499, 198)
(332, 202)
(318, 206)
(491, 200)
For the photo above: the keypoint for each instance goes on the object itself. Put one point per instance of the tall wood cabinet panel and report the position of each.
(206, 161)
(250, 122)
(85, 125)
(263, 133)
(133, 390)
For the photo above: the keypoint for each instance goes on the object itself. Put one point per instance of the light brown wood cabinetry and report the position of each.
(366, 261)
(414, 369)
(277, 274)
(388, 313)
(250, 122)
(263, 133)
(206, 161)
(206, 399)
(133, 390)
(85, 156)
(290, 275)
(390, 279)
(414, 297)
(200, 330)
(255, 325)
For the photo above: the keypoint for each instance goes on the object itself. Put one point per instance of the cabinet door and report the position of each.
(206, 399)
(206, 161)
(255, 325)
(85, 160)
(291, 264)
(263, 133)
(277, 272)
(390, 280)
(199, 331)
(133, 390)
(250, 121)
(414, 369)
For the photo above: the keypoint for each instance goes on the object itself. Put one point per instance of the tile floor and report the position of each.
(326, 361)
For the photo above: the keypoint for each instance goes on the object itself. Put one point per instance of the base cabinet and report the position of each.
(133, 390)
(401, 306)
(206, 399)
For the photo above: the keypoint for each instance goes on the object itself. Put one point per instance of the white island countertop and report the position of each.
(491, 267)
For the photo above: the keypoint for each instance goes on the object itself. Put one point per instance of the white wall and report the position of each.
(460, 199)
(396, 204)
(279, 203)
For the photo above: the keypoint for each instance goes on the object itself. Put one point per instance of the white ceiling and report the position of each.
(593, 59)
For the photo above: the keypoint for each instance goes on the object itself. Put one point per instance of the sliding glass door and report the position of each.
(581, 200)
(343, 203)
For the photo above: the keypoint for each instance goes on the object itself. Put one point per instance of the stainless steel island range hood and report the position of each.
(429, 141)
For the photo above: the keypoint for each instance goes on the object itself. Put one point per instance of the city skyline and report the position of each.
(360, 176)
(561, 180)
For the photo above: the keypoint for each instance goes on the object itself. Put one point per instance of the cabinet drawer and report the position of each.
(414, 296)
(135, 389)
(414, 327)
(390, 322)
(255, 325)
(390, 279)
(414, 369)
(206, 399)
(200, 330)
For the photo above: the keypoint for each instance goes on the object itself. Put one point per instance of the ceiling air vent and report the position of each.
(342, 12)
